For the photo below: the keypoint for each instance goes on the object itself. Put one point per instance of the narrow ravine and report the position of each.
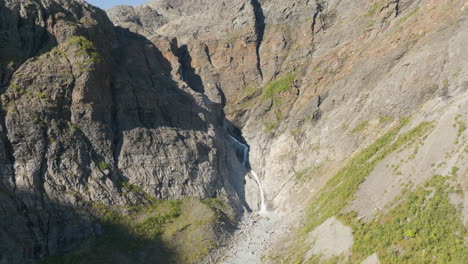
(245, 163)
(257, 229)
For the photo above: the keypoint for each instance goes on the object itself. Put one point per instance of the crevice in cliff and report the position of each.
(187, 72)
(259, 31)
(318, 15)
(10, 170)
(397, 7)
(207, 52)
(39, 180)
(116, 133)
(153, 84)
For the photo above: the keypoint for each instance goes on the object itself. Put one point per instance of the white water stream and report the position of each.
(256, 230)
(245, 149)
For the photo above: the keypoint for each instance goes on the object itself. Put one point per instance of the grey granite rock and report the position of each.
(86, 107)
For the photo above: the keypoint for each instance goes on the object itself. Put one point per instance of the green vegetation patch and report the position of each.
(271, 126)
(445, 83)
(406, 17)
(424, 228)
(305, 174)
(18, 88)
(41, 96)
(385, 119)
(376, 7)
(281, 85)
(102, 165)
(86, 48)
(340, 190)
(249, 90)
(461, 128)
(361, 127)
(162, 231)
(135, 189)
(342, 187)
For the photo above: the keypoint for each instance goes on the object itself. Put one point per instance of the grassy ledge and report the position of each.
(281, 85)
(461, 128)
(361, 127)
(376, 7)
(87, 49)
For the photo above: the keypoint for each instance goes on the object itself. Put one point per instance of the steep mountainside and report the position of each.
(354, 113)
(92, 117)
(312, 84)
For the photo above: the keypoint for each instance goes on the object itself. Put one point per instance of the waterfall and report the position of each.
(245, 160)
(263, 207)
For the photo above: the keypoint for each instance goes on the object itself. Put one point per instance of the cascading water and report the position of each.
(245, 150)
(263, 208)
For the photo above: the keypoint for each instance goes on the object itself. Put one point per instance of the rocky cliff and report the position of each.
(92, 114)
(350, 108)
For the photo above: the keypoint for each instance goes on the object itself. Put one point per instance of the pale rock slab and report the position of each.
(330, 239)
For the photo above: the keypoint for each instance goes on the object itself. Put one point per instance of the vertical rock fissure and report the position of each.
(40, 179)
(317, 15)
(259, 31)
(208, 56)
(117, 135)
(187, 73)
(397, 8)
(8, 151)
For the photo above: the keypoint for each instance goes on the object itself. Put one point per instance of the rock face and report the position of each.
(312, 83)
(372, 259)
(342, 63)
(86, 110)
(95, 106)
(330, 239)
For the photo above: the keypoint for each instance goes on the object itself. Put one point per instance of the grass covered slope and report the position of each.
(421, 225)
(424, 227)
(161, 232)
(341, 188)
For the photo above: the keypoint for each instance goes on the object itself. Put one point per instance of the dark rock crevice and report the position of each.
(7, 169)
(187, 72)
(117, 135)
(318, 20)
(207, 52)
(40, 180)
(259, 31)
(397, 7)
